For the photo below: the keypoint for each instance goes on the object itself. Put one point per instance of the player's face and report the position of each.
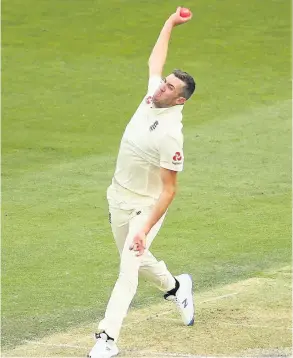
(169, 93)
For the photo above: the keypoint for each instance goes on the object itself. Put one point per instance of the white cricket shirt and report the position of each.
(152, 139)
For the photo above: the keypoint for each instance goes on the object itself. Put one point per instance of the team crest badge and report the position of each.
(149, 99)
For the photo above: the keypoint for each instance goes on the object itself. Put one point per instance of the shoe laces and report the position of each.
(174, 299)
(177, 302)
(104, 336)
(101, 335)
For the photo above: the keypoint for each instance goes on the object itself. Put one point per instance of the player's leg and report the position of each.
(119, 220)
(153, 270)
(126, 284)
(157, 273)
(178, 288)
(125, 224)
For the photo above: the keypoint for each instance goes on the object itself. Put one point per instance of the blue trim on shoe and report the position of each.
(191, 323)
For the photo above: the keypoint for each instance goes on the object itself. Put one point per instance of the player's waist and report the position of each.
(119, 193)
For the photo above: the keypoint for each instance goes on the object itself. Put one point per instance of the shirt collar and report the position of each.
(174, 109)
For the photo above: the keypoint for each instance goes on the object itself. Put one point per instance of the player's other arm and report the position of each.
(159, 54)
(169, 180)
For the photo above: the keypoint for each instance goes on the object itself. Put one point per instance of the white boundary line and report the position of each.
(219, 297)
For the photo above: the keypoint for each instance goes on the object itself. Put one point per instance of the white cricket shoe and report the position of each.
(104, 347)
(184, 299)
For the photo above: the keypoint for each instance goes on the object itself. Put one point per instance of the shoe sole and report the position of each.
(114, 355)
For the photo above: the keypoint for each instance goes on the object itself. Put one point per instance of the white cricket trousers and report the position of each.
(125, 223)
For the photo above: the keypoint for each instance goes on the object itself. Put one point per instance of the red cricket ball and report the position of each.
(184, 12)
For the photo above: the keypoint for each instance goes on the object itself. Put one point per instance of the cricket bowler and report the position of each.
(142, 189)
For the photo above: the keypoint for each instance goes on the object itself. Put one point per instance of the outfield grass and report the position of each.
(73, 74)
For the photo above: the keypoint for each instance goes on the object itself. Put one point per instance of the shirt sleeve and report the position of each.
(171, 153)
(154, 83)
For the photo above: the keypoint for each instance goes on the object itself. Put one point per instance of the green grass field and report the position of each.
(73, 74)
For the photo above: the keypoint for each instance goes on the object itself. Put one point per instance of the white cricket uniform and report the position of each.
(152, 139)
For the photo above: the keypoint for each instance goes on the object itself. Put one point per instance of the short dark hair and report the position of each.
(189, 87)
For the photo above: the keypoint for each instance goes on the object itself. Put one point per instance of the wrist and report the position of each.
(170, 23)
(146, 229)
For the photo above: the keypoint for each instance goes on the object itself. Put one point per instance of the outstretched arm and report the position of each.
(159, 54)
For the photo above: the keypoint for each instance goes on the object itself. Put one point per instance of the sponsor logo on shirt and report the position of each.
(149, 99)
(177, 158)
(154, 126)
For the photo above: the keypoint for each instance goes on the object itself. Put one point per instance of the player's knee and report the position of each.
(129, 280)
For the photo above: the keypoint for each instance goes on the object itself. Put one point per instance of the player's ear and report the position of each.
(180, 100)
